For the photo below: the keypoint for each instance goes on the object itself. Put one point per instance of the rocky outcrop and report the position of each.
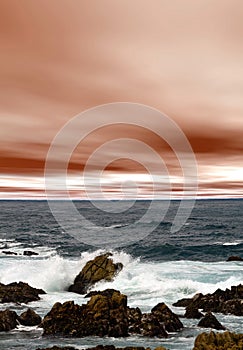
(234, 258)
(8, 320)
(219, 341)
(29, 318)
(105, 314)
(100, 268)
(210, 321)
(192, 312)
(229, 301)
(19, 293)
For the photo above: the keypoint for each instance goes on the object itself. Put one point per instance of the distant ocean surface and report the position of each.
(163, 266)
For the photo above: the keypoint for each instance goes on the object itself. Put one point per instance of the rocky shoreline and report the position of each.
(106, 313)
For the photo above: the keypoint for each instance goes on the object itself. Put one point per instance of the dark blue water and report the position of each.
(211, 233)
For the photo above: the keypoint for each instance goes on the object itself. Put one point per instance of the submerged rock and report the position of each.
(8, 320)
(229, 301)
(29, 318)
(98, 269)
(234, 258)
(29, 253)
(210, 321)
(219, 341)
(105, 314)
(8, 252)
(19, 293)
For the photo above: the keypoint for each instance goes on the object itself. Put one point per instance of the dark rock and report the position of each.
(219, 341)
(233, 306)
(8, 252)
(166, 317)
(182, 302)
(29, 253)
(234, 258)
(219, 301)
(105, 314)
(18, 293)
(192, 312)
(210, 321)
(8, 320)
(98, 269)
(29, 318)
(151, 327)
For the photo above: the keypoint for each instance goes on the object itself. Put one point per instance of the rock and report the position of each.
(151, 327)
(218, 341)
(183, 302)
(233, 306)
(166, 317)
(8, 320)
(19, 293)
(210, 321)
(8, 252)
(234, 258)
(219, 301)
(29, 253)
(98, 269)
(105, 314)
(192, 312)
(29, 318)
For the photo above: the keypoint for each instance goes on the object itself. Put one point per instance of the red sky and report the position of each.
(60, 57)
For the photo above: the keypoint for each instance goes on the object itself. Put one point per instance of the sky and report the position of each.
(59, 58)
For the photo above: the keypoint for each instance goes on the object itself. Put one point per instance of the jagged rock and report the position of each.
(210, 321)
(19, 293)
(29, 318)
(234, 258)
(151, 327)
(192, 312)
(165, 316)
(219, 301)
(98, 269)
(234, 306)
(105, 314)
(29, 253)
(183, 302)
(218, 341)
(8, 320)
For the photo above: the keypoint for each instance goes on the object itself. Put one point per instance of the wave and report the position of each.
(145, 283)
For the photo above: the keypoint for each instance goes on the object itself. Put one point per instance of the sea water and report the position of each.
(162, 267)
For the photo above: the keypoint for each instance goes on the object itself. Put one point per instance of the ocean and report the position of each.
(161, 266)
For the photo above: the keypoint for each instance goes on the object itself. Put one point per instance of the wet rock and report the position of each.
(210, 321)
(29, 253)
(218, 341)
(19, 293)
(105, 314)
(192, 312)
(219, 301)
(151, 327)
(8, 320)
(182, 302)
(8, 252)
(166, 317)
(29, 318)
(234, 258)
(100, 268)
